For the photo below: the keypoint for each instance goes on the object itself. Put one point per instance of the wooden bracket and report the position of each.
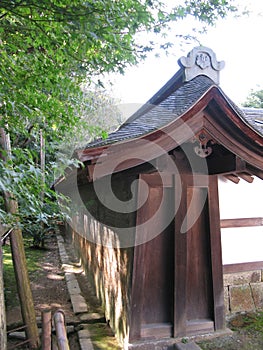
(203, 138)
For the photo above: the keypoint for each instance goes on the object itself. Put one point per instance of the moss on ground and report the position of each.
(247, 334)
(102, 337)
(33, 257)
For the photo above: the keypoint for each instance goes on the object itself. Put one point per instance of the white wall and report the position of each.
(242, 200)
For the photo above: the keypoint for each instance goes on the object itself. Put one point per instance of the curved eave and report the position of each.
(213, 112)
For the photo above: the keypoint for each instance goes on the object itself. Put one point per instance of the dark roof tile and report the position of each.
(158, 116)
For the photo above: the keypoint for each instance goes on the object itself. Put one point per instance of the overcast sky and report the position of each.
(237, 41)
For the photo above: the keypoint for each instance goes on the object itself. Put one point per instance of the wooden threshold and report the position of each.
(199, 326)
(156, 330)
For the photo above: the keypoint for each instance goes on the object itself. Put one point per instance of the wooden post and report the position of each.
(46, 329)
(61, 332)
(2, 305)
(23, 287)
(19, 258)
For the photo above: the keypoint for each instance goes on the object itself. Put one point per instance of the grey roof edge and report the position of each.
(161, 127)
(254, 117)
(239, 111)
(243, 113)
(172, 85)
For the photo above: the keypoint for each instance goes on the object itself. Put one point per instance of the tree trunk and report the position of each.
(43, 179)
(2, 305)
(19, 258)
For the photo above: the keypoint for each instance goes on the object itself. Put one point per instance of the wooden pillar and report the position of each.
(180, 259)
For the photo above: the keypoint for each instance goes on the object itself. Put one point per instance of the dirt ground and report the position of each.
(49, 291)
(247, 334)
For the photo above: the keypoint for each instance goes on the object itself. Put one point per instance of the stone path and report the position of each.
(78, 302)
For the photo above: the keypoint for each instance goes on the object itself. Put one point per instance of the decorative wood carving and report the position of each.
(203, 138)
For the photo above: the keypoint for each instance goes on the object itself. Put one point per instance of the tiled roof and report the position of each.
(254, 117)
(198, 74)
(153, 117)
(173, 106)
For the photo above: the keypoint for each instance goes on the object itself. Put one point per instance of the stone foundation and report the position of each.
(243, 291)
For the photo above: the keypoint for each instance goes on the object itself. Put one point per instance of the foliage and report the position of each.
(254, 99)
(48, 50)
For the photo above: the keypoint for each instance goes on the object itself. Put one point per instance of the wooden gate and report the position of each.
(177, 280)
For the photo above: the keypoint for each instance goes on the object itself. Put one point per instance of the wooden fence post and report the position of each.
(18, 254)
(23, 287)
(61, 332)
(46, 329)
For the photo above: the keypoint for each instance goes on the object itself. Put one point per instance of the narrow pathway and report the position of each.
(78, 302)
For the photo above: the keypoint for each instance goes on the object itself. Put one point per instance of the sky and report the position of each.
(237, 41)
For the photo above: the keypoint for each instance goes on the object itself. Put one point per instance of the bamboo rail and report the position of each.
(61, 332)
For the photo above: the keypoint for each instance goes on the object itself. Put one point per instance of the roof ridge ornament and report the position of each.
(201, 61)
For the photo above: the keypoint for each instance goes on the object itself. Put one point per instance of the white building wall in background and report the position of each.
(242, 200)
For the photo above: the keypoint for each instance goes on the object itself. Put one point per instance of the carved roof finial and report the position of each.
(201, 61)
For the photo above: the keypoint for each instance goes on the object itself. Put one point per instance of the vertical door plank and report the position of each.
(216, 253)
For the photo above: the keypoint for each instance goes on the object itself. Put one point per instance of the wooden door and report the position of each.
(153, 284)
(177, 287)
(199, 300)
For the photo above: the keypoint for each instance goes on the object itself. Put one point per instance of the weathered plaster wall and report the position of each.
(243, 291)
(98, 234)
(109, 272)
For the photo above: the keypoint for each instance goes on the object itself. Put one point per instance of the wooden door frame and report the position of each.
(180, 321)
(153, 180)
(180, 318)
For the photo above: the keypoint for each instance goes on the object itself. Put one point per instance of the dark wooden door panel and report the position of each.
(158, 268)
(199, 277)
(177, 277)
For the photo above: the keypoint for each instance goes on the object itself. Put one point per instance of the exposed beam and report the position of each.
(241, 267)
(232, 177)
(242, 222)
(255, 171)
(246, 177)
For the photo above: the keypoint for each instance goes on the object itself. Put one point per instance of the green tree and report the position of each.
(254, 99)
(47, 50)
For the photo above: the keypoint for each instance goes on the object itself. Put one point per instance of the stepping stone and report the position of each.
(73, 287)
(84, 333)
(187, 346)
(78, 303)
(85, 344)
(92, 317)
(69, 276)
(84, 339)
